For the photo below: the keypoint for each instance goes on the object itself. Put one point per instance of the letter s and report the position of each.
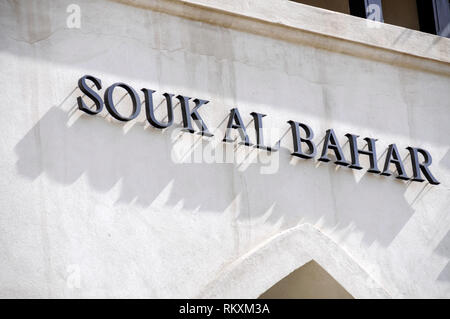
(91, 94)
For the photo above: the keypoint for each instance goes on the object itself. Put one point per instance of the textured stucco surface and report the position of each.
(90, 198)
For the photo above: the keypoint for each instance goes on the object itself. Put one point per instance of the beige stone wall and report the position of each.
(336, 5)
(93, 207)
(402, 13)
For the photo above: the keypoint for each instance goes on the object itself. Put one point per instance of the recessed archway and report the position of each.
(257, 271)
(310, 281)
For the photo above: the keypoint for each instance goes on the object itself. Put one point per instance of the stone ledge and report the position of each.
(333, 31)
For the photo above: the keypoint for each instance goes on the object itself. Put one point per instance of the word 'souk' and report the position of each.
(330, 143)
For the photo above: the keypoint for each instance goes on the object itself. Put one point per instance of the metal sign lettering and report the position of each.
(302, 134)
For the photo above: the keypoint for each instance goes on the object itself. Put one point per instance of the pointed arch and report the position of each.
(255, 272)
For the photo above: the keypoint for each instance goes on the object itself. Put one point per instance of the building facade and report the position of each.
(221, 149)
